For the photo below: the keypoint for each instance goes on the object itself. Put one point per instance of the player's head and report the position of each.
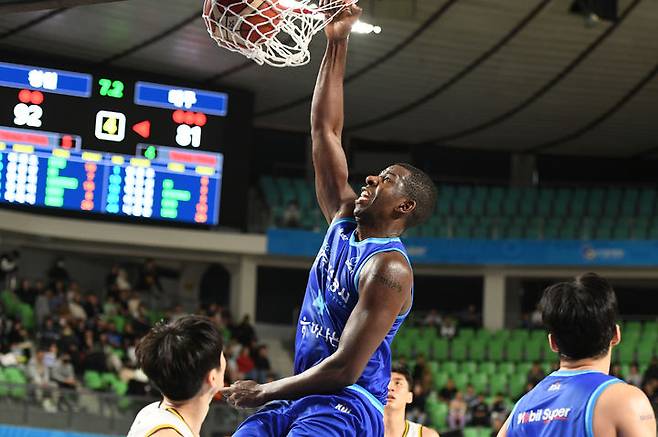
(399, 388)
(581, 317)
(183, 359)
(399, 192)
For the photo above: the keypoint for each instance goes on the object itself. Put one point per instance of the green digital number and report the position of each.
(111, 88)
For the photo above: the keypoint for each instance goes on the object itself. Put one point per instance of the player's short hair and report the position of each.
(418, 186)
(404, 371)
(177, 356)
(581, 316)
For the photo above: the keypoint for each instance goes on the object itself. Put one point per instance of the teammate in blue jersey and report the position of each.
(581, 399)
(359, 289)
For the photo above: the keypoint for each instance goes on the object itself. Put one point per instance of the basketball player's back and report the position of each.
(581, 399)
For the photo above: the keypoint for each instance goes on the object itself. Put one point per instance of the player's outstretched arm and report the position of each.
(385, 285)
(624, 410)
(335, 196)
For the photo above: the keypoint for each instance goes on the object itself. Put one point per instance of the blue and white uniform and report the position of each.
(332, 293)
(560, 405)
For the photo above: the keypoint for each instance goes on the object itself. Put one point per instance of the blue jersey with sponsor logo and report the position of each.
(560, 405)
(332, 293)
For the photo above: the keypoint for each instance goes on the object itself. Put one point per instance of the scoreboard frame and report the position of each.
(235, 144)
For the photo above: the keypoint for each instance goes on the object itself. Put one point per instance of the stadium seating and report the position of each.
(490, 212)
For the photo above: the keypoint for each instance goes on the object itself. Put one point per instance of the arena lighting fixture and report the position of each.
(365, 28)
(359, 27)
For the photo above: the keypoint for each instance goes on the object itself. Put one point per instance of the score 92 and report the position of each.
(188, 135)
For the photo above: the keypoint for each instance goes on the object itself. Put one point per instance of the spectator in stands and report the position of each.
(448, 328)
(117, 280)
(471, 318)
(58, 272)
(499, 406)
(177, 313)
(42, 306)
(8, 268)
(535, 374)
(245, 333)
(535, 318)
(149, 278)
(76, 309)
(497, 422)
(24, 292)
(470, 397)
(433, 318)
(245, 363)
(421, 371)
(63, 375)
(634, 377)
(448, 392)
(39, 375)
(652, 371)
(261, 364)
(457, 410)
(91, 306)
(480, 413)
(49, 333)
(291, 215)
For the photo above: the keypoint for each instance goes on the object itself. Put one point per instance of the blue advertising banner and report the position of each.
(487, 252)
(19, 431)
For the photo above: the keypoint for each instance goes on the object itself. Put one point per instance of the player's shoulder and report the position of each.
(621, 395)
(429, 432)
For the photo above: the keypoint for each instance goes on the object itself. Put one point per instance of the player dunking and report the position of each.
(581, 399)
(359, 289)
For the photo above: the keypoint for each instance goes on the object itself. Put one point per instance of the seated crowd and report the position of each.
(72, 334)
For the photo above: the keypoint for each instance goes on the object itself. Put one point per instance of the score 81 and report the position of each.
(188, 135)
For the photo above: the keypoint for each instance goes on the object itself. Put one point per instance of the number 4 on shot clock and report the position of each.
(110, 126)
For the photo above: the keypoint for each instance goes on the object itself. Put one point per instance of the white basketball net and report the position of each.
(273, 32)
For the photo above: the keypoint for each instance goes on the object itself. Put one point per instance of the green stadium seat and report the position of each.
(18, 381)
(487, 367)
(533, 351)
(402, 347)
(469, 367)
(461, 380)
(498, 383)
(458, 350)
(479, 382)
(466, 333)
(477, 350)
(507, 368)
(496, 351)
(547, 367)
(423, 345)
(450, 367)
(4, 388)
(438, 413)
(108, 379)
(514, 350)
(645, 352)
(440, 348)
(439, 380)
(517, 384)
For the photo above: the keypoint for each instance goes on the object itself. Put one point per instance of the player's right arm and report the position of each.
(429, 432)
(624, 410)
(335, 196)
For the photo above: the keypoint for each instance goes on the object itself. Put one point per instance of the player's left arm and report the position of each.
(429, 432)
(384, 287)
(626, 410)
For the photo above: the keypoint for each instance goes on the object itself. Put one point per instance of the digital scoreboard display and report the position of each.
(111, 145)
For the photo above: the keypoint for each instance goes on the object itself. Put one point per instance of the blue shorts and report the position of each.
(346, 414)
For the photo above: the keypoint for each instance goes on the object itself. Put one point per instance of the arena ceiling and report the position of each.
(514, 75)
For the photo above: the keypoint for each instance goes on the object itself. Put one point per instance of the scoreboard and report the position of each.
(109, 144)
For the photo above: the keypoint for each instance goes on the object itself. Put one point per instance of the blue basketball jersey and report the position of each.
(332, 293)
(560, 405)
